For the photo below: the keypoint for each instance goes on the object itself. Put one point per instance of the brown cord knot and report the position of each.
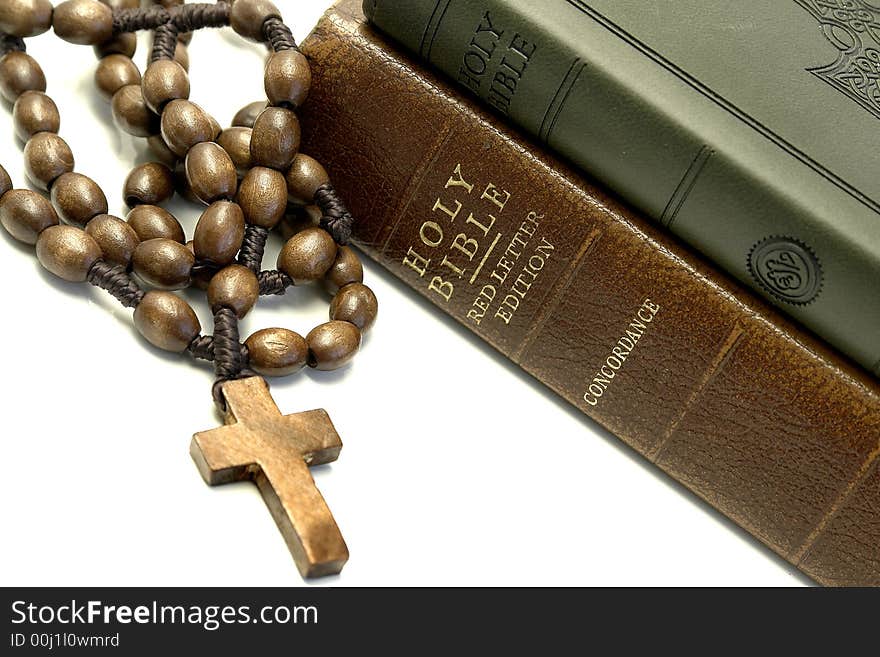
(168, 24)
(227, 348)
(335, 217)
(274, 282)
(164, 43)
(189, 18)
(278, 35)
(182, 18)
(134, 20)
(202, 348)
(117, 281)
(230, 359)
(252, 247)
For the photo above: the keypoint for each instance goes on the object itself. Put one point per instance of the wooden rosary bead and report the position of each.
(121, 44)
(5, 182)
(19, 72)
(347, 268)
(25, 18)
(78, 198)
(247, 17)
(67, 252)
(35, 112)
(247, 115)
(287, 78)
(357, 304)
(131, 114)
(185, 124)
(304, 177)
(163, 263)
(115, 72)
(308, 255)
(46, 157)
(275, 138)
(333, 344)
(237, 143)
(160, 149)
(219, 233)
(115, 237)
(164, 81)
(85, 22)
(211, 173)
(262, 196)
(152, 222)
(25, 214)
(277, 352)
(166, 321)
(217, 128)
(150, 183)
(235, 287)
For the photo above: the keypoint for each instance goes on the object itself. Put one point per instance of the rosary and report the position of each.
(251, 177)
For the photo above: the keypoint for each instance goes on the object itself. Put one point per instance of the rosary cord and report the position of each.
(230, 357)
(9, 43)
(134, 20)
(202, 348)
(204, 269)
(278, 35)
(164, 42)
(117, 281)
(184, 18)
(188, 18)
(273, 282)
(227, 348)
(252, 247)
(335, 219)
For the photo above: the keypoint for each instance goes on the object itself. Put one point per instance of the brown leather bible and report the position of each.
(749, 411)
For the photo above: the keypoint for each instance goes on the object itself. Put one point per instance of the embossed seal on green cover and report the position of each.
(787, 268)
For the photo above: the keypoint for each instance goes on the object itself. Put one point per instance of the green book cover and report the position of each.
(749, 128)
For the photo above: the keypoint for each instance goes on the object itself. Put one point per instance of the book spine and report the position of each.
(557, 69)
(710, 384)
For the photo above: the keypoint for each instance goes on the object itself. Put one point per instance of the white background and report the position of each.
(458, 469)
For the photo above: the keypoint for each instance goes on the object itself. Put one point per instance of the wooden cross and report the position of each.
(275, 451)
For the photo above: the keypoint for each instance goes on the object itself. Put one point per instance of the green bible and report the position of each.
(750, 129)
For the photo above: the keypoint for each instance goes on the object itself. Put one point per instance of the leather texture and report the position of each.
(757, 417)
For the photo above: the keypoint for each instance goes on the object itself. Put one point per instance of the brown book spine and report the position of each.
(709, 383)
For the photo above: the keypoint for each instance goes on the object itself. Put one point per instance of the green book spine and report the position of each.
(671, 106)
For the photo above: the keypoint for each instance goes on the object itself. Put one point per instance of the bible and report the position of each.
(710, 383)
(714, 118)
